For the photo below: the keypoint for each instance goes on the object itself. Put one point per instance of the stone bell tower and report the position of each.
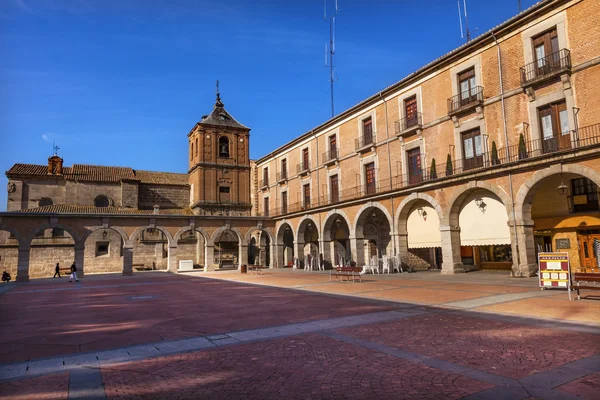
(219, 164)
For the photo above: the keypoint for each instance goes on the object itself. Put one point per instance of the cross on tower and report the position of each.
(55, 148)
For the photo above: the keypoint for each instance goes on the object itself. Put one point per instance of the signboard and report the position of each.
(563, 243)
(555, 270)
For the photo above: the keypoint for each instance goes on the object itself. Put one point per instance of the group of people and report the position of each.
(73, 272)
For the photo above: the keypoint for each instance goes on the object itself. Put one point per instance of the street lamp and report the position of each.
(422, 213)
(562, 189)
(481, 204)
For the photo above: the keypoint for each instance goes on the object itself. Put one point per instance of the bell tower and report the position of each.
(219, 164)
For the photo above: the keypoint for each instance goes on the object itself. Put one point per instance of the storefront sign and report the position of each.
(554, 270)
(563, 244)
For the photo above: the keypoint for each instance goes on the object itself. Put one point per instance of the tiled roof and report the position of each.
(71, 209)
(161, 178)
(220, 117)
(101, 173)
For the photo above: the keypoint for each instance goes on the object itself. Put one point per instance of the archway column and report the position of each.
(299, 252)
(210, 258)
(280, 255)
(79, 259)
(451, 250)
(172, 258)
(243, 257)
(325, 246)
(357, 248)
(127, 260)
(526, 265)
(401, 239)
(23, 263)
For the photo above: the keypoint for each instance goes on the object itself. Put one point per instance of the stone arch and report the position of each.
(329, 219)
(361, 210)
(71, 231)
(135, 235)
(299, 234)
(455, 202)
(524, 198)
(217, 232)
(269, 247)
(257, 228)
(285, 251)
(110, 256)
(183, 230)
(280, 231)
(93, 229)
(405, 206)
(15, 233)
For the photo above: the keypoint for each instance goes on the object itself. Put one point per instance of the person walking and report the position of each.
(56, 270)
(73, 273)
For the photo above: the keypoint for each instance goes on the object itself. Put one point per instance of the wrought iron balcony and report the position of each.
(365, 142)
(331, 156)
(303, 167)
(465, 101)
(546, 68)
(282, 176)
(264, 183)
(408, 125)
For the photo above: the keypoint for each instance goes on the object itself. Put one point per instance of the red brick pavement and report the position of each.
(49, 387)
(43, 323)
(299, 367)
(507, 349)
(587, 388)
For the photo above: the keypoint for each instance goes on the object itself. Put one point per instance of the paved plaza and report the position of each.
(296, 335)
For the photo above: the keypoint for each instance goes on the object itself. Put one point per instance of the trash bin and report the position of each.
(244, 269)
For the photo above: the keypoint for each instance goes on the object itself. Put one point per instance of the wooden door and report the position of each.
(332, 147)
(305, 159)
(410, 109)
(467, 87)
(554, 123)
(284, 203)
(472, 149)
(370, 178)
(545, 52)
(588, 256)
(284, 169)
(415, 174)
(335, 189)
(307, 196)
(367, 131)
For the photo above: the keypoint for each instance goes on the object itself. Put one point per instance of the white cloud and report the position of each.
(46, 138)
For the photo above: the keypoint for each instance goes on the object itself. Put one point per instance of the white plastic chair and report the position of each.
(374, 265)
(386, 264)
(395, 264)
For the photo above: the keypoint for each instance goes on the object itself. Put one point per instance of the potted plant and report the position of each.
(432, 171)
(495, 159)
(522, 148)
(449, 168)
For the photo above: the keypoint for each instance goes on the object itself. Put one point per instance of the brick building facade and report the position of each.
(480, 159)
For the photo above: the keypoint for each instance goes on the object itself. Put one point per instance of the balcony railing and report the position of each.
(331, 156)
(525, 152)
(406, 125)
(282, 176)
(264, 183)
(546, 67)
(303, 167)
(465, 100)
(365, 141)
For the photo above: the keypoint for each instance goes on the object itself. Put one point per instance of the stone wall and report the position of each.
(43, 259)
(421, 259)
(112, 262)
(129, 194)
(164, 196)
(150, 255)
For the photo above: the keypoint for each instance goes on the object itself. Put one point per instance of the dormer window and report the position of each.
(222, 117)
(224, 147)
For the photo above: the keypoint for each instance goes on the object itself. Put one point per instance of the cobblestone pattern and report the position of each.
(49, 387)
(300, 367)
(502, 348)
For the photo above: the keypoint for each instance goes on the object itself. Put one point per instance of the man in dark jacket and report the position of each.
(73, 273)
(56, 271)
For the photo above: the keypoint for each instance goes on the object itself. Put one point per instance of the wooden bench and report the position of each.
(350, 272)
(587, 278)
(257, 269)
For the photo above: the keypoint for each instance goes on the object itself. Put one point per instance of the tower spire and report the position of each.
(218, 103)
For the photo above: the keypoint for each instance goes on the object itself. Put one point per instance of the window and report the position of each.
(332, 147)
(472, 149)
(554, 123)
(306, 189)
(367, 126)
(585, 195)
(45, 201)
(467, 86)
(224, 147)
(334, 188)
(102, 201)
(196, 147)
(305, 165)
(224, 194)
(284, 202)
(191, 151)
(370, 178)
(414, 165)
(410, 112)
(545, 51)
(224, 189)
(284, 168)
(102, 248)
(265, 176)
(57, 232)
(266, 206)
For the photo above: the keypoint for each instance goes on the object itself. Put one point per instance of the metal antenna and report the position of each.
(460, 20)
(466, 21)
(330, 50)
(520, 6)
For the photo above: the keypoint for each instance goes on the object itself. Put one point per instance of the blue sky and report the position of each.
(121, 82)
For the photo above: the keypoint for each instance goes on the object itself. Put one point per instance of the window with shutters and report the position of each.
(305, 159)
(472, 143)
(415, 174)
(410, 112)
(265, 176)
(545, 51)
(467, 86)
(284, 168)
(367, 128)
(284, 202)
(332, 147)
(266, 206)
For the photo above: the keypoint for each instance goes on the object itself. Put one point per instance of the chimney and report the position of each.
(55, 164)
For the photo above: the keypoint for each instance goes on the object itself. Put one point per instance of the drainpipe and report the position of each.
(510, 181)
(387, 141)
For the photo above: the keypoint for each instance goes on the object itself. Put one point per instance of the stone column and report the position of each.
(357, 246)
(280, 255)
(243, 257)
(79, 259)
(172, 259)
(526, 265)
(299, 253)
(210, 258)
(23, 263)
(325, 245)
(127, 260)
(451, 250)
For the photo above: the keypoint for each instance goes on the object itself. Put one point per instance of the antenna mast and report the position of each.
(330, 50)
(468, 32)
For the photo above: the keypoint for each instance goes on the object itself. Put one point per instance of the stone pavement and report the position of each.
(167, 336)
